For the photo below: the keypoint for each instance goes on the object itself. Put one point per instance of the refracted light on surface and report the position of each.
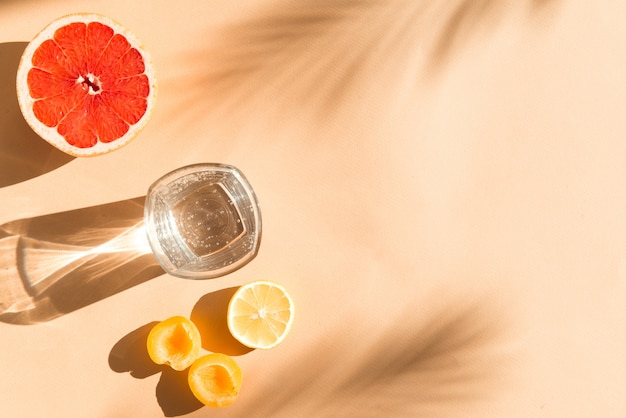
(43, 263)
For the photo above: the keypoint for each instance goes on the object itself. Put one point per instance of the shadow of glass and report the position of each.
(23, 154)
(210, 316)
(55, 264)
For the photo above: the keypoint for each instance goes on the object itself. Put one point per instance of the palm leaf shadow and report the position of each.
(434, 369)
(308, 58)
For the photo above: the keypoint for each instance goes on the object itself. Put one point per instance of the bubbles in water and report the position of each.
(205, 221)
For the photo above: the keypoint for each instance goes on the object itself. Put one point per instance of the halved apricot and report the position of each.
(175, 341)
(215, 379)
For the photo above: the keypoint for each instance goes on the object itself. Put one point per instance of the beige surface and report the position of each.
(442, 188)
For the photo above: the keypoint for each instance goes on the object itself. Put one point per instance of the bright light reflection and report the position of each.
(43, 263)
(132, 240)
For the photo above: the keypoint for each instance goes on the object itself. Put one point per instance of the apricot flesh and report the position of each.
(175, 342)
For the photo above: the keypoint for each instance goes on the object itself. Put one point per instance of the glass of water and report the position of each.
(202, 221)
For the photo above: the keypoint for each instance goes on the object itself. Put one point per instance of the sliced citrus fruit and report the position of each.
(175, 341)
(260, 314)
(86, 85)
(215, 379)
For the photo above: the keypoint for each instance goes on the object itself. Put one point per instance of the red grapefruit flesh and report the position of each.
(86, 85)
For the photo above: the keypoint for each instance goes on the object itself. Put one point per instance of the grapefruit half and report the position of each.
(86, 85)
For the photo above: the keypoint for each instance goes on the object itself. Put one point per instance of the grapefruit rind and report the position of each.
(50, 134)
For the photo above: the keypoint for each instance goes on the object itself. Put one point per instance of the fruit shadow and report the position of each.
(210, 316)
(23, 154)
(55, 264)
(130, 355)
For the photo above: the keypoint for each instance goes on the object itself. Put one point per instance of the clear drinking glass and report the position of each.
(203, 221)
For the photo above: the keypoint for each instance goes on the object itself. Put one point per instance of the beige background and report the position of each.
(442, 187)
